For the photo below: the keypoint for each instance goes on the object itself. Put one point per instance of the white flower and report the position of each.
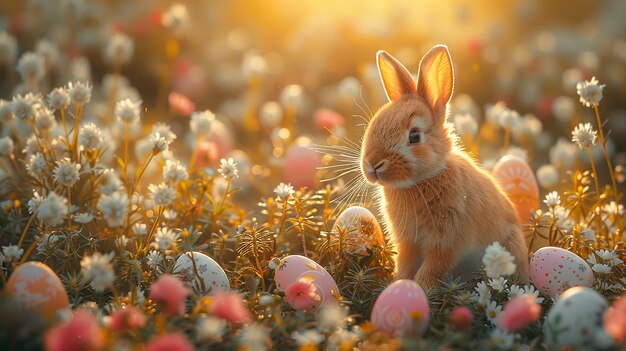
(254, 337)
(613, 209)
(127, 111)
(174, 172)
(12, 253)
(498, 284)
(284, 190)
(162, 194)
(8, 48)
(547, 176)
(177, 19)
(52, 210)
(590, 92)
(114, 208)
(552, 199)
(563, 222)
(44, 118)
(66, 173)
(609, 255)
(165, 239)
(308, 337)
(530, 289)
(508, 118)
(201, 122)
(49, 51)
(564, 108)
(24, 107)
(36, 165)
(90, 136)
(154, 258)
(6, 146)
(465, 124)
(563, 154)
(140, 229)
(331, 317)
(83, 218)
(34, 202)
(210, 328)
(58, 99)
(31, 67)
(119, 49)
(79, 92)
(158, 143)
(46, 241)
(111, 183)
(584, 135)
(601, 268)
(498, 261)
(228, 168)
(484, 294)
(501, 339)
(588, 234)
(98, 268)
(164, 131)
(492, 311)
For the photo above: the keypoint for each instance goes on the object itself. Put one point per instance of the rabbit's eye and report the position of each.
(415, 136)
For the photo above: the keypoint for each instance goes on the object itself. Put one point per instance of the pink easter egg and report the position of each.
(37, 288)
(364, 232)
(293, 268)
(554, 270)
(327, 119)
(301, 164)
(401, 309)
(215, 146)
(518, 182)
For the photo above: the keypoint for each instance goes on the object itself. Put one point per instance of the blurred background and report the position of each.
(274, 71)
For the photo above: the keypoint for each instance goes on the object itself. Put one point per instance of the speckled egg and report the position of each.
(202, 272)
(576, 321)
(293, 268)
(301, 163)
(401, 309)
(518, 181)
(554, 270)
(363, 230)
(38, 289)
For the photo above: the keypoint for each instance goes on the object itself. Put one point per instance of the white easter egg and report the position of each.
(295, 267)
(554, 270)
(202, 272)
(363, 230)
(37, 288)
(401, 309)
(576, 321)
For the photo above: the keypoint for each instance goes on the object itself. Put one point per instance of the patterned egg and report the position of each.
(301, 163)
(575, 321)
(294, 267)
(202, 272)
(401, 309)
(554, 270)
(363, 229)
(38, 289)
(518, 181)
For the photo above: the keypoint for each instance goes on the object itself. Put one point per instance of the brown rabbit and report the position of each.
(441, 209)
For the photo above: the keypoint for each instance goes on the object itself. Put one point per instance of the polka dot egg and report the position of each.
(401, 309)
(554, 270)
(201, 272)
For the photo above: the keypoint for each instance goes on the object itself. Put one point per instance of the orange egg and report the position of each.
(518, 181)
(38, 289)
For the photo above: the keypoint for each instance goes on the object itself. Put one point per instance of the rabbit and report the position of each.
(441, 209)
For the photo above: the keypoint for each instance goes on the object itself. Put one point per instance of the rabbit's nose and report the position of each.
(372, 173)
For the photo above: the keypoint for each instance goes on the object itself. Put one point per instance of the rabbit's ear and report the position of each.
(435, 79)
(395, 77)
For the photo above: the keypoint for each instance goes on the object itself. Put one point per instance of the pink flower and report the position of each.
(519, 312)
(615, 320)
(169, 342)
(328, 119)
(127, 318)
(302, 295)
(170, 292)
(230, 306)
(181, 104)
(461, 318)
(81, 333)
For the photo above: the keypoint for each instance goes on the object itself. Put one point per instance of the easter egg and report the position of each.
(518, 182)
(554, 270)
(402, 308)
(576, 321)
(38, 289)
(301, 163)
(363, 230)
(201, 271)
(295, 267)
